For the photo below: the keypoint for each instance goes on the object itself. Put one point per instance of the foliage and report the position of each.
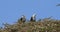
(45, 25)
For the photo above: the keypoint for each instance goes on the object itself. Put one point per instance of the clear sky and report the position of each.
(11, 10)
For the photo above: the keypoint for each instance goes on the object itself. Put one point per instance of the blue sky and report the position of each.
(11, 10)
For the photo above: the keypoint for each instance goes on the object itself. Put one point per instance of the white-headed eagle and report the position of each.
(33, 18)
(22, 19)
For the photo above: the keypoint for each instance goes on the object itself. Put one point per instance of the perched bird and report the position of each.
(33, 18)
(22, 19)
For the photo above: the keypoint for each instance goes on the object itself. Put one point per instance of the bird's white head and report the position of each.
(34, 15)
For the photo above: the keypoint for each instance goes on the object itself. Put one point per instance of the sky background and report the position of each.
(11, 10)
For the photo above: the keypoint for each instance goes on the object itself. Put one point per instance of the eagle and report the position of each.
(33, 18)
(22, 19)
